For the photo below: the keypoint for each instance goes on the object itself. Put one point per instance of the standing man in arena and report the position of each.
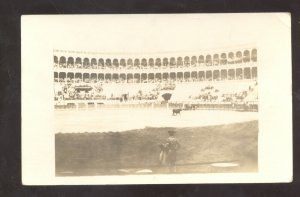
(172, 147)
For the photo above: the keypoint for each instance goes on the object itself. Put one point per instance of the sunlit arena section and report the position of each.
(113, 110)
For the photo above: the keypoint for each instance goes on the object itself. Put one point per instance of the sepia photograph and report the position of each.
(158, 95)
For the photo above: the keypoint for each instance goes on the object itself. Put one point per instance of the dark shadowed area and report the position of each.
(127, 152)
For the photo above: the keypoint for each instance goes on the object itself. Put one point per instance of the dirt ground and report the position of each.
(127, 152)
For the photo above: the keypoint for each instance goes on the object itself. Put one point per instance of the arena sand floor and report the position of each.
(125, 141)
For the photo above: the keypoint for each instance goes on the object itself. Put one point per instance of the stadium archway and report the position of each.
(165, 76)
(179, 62)
(246, 57)
(123, 63)
(254, 55)
(179, 76)
(86, 63)
(158, 76)
(94, 77)
(108, 63)
(70, 75)
(86, 77)
(173, 76)
(144, 77)
(55, 60)
(94, 63)
(172, 62)
(187, 75)
(239, 73)
(254, 72)
(115, 63)
(194, 75)
(201, 60)
(137, 63)
(208, 75)
(129, 64)
(101, 63)
(129, 77)
(194, 61)
(231, 74)
(78, 62)
(239, 57)
(108, 76)
(115, 77)
(70, 62)
(151, 62)
(157, 62)
(151, 76)
(62, 61)
(247, 73)
(137, 78)
(165, 62)
(144, 63)
(187, 61)
(62, 75)
(216, 75)
(55, 75)
(208, 60)
(123, 77)
(216, 59)
(201, 75)
(78, 76)
(223, 74)
(230, 58)
(101, 77)
(223, 60)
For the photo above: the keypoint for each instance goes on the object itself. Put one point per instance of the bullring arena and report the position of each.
(112, 111)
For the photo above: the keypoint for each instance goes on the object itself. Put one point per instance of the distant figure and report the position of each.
(176, 111)
(169, 151)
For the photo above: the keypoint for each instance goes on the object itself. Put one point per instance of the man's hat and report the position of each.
(171, 132)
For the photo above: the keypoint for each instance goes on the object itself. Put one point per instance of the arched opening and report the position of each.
(246, 57)
(137, 63)
(201, 75)
(144, 63)
(101, 77)
(208, 75)
(62, 75)
(62, 62)
(186, 61)
(172, 62)
(129, 77)
(179, 62)
(201, 60)
(144, 77)
(179, 76)
(208, 60)
(115, 63)
(78, 62)
(223, 60)
(108, 77)
(101, 63)
(122, 77)
(55, 60)
(194, 76)
(108, 63)
(230, 58)
(165, 76)
(123, 63)
(78, 77)
(187, 76)
(115, 77)
(254, 55)
(129, 64)
(173, 76)
(223, 74)
(194, 61)
(216, 59)
(239, 57)
(231, 74)
(151, 77)
(247, 73)
(158, 77)
(86, 77)
(216, 75)
(254, 72)
(55, 77)
(151, 62)
(94, 77)
(157, 63)
(70, 76)
(86, 63)
(70, 62)
(239, 73)
(94, 63)
(165, 62)
(137, 78)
